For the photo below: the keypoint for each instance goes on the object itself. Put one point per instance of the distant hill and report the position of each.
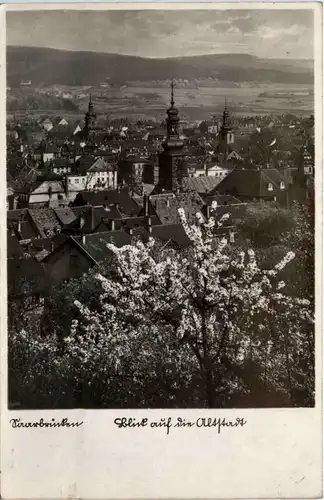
(21, 99)
(45, 66)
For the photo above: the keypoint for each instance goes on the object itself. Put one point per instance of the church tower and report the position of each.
(226, 134)
(172, 165)
(90, 118)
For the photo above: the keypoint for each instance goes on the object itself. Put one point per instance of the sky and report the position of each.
(263, 33)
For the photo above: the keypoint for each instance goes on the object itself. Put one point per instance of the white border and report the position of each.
(278, 454)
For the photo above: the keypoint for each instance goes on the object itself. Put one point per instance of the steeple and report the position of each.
(172, 95)
(226, 134)
(226, 125)
(172, 166)
(90, 116)
(90, 105)
(173, 140)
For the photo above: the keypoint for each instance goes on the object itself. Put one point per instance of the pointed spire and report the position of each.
(90, 105)
(172, 96)
(226, 121)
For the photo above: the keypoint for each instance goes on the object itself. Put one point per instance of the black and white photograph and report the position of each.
(160, 169)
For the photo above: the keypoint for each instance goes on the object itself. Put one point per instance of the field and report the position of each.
(194, 103)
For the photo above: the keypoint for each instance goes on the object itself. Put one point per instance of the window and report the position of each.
(282, 185)
(270, 187)
(77, 181)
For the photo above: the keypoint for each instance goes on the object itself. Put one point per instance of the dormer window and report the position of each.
(282, 185)
(270, 186)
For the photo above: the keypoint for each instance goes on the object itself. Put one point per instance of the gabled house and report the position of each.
(135, 170)
(92, 172)
(266, 184)
(60, 121)
(47, 124)
(77, 255)
(42, 192)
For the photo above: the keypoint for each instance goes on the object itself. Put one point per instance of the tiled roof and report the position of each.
(92, 218)
(171, 232)
(96, 244)
(45, 219)
(167, 208)
(65, 215)
(127, 206)
(203, 184)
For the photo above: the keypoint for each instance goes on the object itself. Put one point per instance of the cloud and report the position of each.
(167, 33)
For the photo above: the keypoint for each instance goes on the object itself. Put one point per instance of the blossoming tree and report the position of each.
(206, 324)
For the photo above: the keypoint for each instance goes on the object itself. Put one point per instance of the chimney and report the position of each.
(146, 207)
(92, 218)
(66, 184)
(149, 224)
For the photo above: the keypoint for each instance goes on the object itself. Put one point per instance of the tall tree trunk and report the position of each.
(207, 364)
(209, 387)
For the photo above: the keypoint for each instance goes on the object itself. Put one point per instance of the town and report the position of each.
(71, 190)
